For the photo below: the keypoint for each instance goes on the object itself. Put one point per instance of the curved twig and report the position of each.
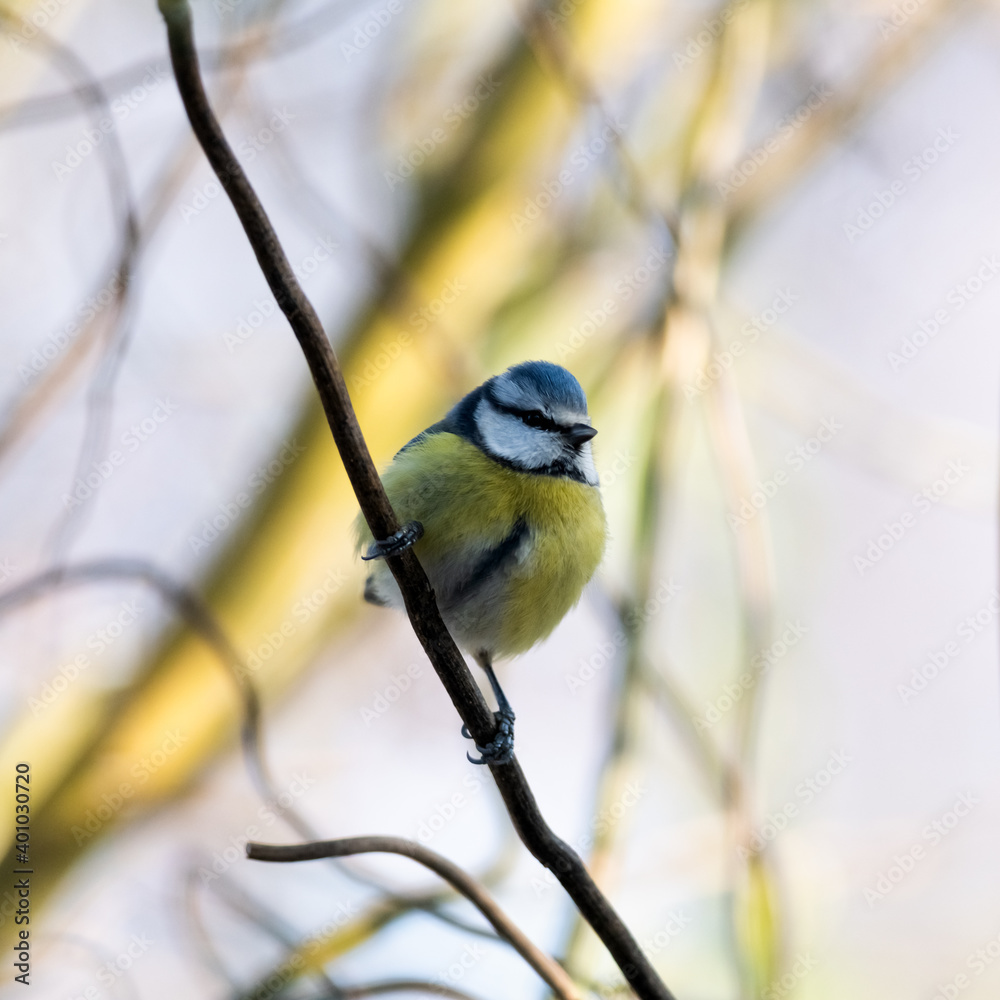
(418, 596)
(307, 30)
(457, 878)
(553, 51)
(196, 614)
(189, 606)
(100, 395)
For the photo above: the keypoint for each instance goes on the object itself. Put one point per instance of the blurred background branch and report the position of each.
(760, 234)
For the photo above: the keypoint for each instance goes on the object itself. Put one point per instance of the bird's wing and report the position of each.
(492, 561)
(438, 428)
(470, 508)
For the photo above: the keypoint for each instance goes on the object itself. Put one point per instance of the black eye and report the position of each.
(534, 418)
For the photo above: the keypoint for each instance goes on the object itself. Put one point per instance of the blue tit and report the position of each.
(504, 512)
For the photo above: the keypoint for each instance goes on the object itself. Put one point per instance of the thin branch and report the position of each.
(457, 878)
(198, 616)
(418, 596)
(189, 606)
(308, 30)
(552, 50)
(101, 392)
(198, 932)
(241, 902)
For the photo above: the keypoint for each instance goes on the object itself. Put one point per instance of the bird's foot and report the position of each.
(397, 542)
(500, 749)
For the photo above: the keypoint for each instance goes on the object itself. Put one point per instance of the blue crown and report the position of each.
(548, 381)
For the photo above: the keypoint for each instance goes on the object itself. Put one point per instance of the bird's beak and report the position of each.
(580, 433)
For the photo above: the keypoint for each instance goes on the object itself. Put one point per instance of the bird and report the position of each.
(501, 503)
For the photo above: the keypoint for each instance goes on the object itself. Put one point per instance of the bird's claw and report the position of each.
(500, 750)
(398, 541)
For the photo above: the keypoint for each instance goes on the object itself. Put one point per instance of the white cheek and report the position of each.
(586, 465)
(508, 437)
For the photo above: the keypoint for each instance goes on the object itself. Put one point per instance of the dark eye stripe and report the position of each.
(533, 418)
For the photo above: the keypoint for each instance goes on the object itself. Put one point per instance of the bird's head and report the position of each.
(533, 417)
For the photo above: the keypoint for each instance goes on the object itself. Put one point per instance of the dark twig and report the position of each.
(418, 597)
(190, 607)
(457, 878)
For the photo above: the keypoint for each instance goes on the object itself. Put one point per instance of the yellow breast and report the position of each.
(468, 504)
